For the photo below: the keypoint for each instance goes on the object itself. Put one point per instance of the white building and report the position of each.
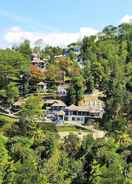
(36, 61)
(42, 87)
(61, 91)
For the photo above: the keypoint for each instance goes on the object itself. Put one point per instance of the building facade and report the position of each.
(82, 114)
(73, 113)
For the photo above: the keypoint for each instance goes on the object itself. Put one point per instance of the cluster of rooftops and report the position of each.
(59, 112)
(43, 63)
(56, 111)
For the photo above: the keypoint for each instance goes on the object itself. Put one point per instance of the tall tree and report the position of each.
(76, 90)
(25, 48)
(30, 115)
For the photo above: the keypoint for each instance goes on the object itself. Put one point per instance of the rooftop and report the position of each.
(83, 108)
(55, 103)
(41, 84)
(59, 104)
(37, 60)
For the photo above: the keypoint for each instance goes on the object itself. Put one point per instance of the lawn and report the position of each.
(71, 129)
(63, 128)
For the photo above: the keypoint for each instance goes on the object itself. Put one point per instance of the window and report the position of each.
(83, 113)
(79, 113)
(74, 113)
(66, 118)
(66, 113)
(71, 113)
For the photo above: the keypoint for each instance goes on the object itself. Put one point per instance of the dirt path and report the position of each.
(96, 133)
(79, 134)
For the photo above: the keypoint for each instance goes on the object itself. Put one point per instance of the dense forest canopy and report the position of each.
(31, 153)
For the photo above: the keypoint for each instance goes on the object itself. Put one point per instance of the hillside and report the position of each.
(66, 114)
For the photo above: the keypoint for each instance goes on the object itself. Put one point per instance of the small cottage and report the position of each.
(58, 106)
(41, 87)
(36, 61)
(61, 91)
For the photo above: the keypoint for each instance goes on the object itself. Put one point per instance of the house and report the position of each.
(76, 48)
(82, 114)
(90, 108)
(55, 110)
(36, 61)
(42, 87)
(61, 90)
(54, 105)
(58, 106)
(73, 113)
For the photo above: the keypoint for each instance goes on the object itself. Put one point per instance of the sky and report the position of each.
(58, 22)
